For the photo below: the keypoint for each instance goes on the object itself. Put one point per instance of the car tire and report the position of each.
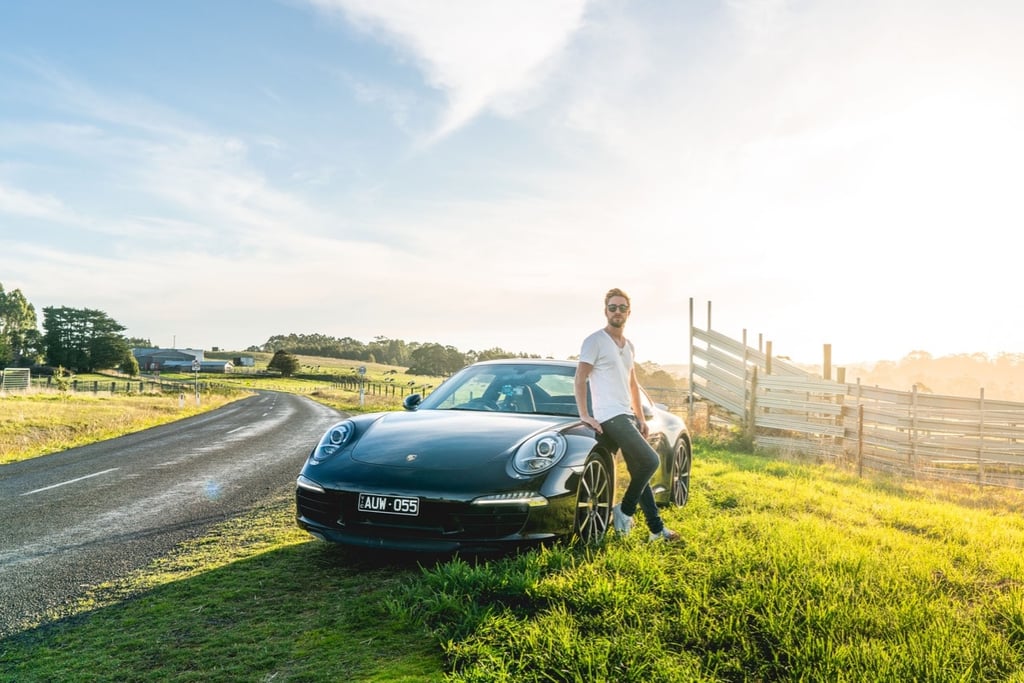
(679, 491)
(593, 501)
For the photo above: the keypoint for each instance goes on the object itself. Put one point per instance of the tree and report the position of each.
(82, 339)
(390, 351)
(491, 354)
(130, 365)
(108, 351)
(435, 360)
(33, 351)
(284, 362)
(18, 334)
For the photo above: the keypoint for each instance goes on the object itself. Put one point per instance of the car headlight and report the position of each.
(540, 453)
(332, 441)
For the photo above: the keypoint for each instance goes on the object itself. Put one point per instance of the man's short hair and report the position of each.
(614, 292)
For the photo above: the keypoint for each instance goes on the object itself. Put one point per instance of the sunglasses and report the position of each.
(621, 308)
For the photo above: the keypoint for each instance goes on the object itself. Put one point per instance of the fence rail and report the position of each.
(373, 388)
(20, 380)
(15, 379)
(910, 433)
(113, 386)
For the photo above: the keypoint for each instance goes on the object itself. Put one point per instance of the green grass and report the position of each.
(254, 600)
(788, 572)
(323, 367)
(319, 378)
(45, 421)
(38, 423)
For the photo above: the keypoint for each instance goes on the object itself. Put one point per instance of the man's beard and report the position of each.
(617, 323)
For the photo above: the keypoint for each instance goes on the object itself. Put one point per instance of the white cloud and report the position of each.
(18, 202)
(785, 160)
(157, 162)
(484, 54)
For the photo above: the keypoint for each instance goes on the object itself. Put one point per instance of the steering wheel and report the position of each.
(485, 403)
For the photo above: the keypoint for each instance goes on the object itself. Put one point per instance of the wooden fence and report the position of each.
(785, 409)
(121, 386)
(373, 388)
(20, 380)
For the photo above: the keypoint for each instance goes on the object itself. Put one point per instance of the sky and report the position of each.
(211, 173)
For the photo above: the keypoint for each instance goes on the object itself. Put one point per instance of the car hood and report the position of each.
(447, 439)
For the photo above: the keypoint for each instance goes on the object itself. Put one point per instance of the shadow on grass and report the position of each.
(309, 612)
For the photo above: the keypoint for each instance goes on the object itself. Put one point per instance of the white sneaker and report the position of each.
(623, 523)
(666, 535)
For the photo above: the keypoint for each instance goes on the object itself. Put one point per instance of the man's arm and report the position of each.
(634, 398)
(580, 390)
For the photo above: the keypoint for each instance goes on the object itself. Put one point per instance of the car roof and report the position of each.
(528, 361)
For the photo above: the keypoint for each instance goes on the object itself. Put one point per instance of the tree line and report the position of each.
(86, 340)
(76, 339)
(433, 359)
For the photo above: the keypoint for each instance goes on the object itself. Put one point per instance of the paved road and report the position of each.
(74, 519)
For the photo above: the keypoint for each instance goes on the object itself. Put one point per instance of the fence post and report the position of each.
(746, 375)
(981, 436)
(860, 439)
(689, 381)
(752, 416)
(912, 455)
(839, 443)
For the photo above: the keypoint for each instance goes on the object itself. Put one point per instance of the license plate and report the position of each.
(392, 505)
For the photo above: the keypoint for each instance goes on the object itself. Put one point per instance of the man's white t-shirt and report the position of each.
(609, 380)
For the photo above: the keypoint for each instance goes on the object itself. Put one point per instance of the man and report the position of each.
(606, 363)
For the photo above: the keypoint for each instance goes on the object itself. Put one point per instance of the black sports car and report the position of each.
(495, 456)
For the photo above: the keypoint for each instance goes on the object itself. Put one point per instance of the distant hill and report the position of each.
(1001, 376)
(677, 371)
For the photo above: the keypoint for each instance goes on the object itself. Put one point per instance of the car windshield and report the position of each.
(544, 389)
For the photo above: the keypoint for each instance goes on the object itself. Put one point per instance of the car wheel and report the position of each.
(593, 501)
(681, 462)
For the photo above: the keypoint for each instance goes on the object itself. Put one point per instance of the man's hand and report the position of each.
(641, 425)
(592, 423)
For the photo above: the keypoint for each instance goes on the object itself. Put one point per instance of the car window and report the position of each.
(556, 393)
(520, 388)
(557, 385)
(472, 389)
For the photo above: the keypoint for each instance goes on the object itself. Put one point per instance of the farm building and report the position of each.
(166, 359)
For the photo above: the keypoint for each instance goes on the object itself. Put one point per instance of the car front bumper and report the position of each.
(445, 522)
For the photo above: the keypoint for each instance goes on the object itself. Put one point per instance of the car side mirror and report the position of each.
(412, 401)
(648, 413)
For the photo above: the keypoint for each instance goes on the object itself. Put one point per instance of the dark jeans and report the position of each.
(642, 462)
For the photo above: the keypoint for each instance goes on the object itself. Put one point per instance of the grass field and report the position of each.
(787, 572)
(319, 378)
(45, 422)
